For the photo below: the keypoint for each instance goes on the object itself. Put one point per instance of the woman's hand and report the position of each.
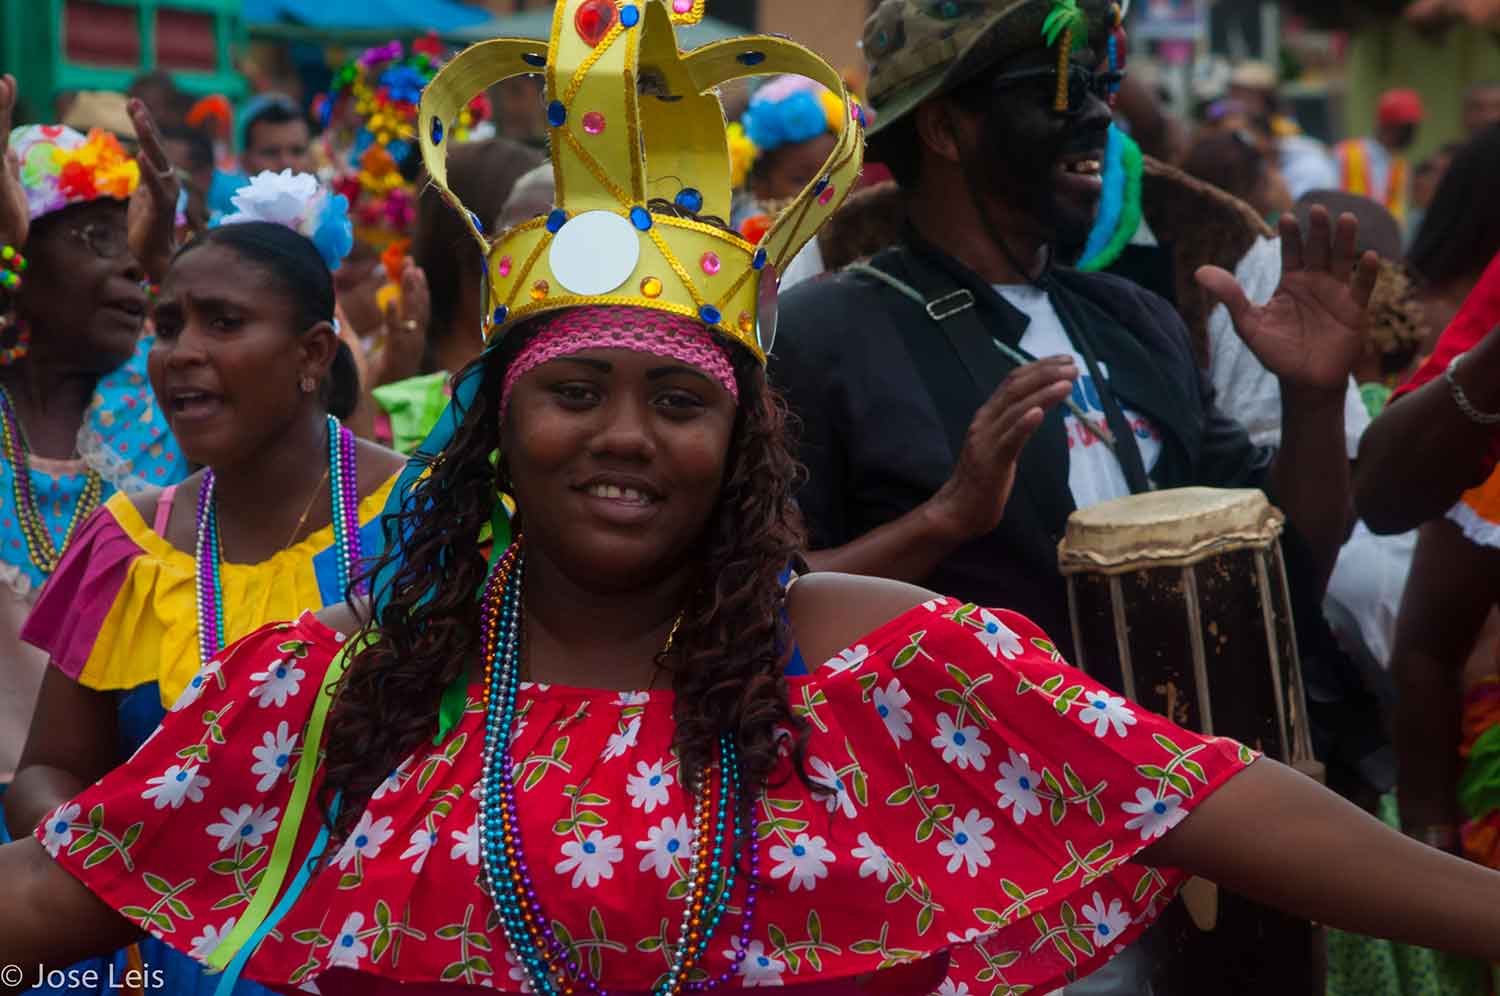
(406, 321)
(152, 217)
(15, 218)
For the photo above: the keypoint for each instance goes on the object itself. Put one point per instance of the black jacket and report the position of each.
(884, 396)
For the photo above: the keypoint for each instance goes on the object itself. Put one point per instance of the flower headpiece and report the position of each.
(638, 141)
(60, 167)
(786, 111)
(370, 120)
(297, 201)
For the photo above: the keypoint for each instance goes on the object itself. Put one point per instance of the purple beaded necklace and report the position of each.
(344, 487)
(722, 826)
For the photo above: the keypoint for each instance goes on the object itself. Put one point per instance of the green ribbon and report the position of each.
(456, 695)
(291, 821)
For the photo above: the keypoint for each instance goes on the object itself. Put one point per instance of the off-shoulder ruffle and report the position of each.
(978, 798)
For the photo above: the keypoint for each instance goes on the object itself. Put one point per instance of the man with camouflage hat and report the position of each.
(969, 359)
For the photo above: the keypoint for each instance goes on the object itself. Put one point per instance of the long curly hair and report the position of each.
(725, 664)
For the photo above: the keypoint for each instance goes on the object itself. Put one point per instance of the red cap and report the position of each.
(1399, 107)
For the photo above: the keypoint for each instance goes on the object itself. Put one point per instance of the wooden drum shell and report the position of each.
(1179, 601)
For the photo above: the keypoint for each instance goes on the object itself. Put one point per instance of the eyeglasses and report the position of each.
(1081, 83)
(107, 241)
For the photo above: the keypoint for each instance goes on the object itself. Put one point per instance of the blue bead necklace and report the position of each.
(209, 586)
(552, 967)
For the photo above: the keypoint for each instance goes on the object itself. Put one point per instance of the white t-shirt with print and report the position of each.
(1094, 473)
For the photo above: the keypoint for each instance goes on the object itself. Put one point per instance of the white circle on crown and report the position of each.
(594, 253)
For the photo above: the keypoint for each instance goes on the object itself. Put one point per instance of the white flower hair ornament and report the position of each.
(299, 202)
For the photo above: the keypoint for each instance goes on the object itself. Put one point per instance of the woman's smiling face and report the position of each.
(617, 459)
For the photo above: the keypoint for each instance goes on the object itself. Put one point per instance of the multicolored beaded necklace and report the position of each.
(344, 476)
(39, 546)
(551, 967)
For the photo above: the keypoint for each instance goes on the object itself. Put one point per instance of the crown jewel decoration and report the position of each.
(638, 138)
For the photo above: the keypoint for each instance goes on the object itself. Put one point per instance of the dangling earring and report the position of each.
(1117, 44)
(18, 349)
(309, 385)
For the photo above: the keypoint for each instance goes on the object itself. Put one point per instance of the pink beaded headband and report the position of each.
(616, 326)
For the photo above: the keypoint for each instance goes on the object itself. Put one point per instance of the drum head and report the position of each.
(1180, 526)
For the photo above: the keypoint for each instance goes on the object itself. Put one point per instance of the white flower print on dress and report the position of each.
(205, 943)
(647, 788)
(951, 988)
(273, 755)
(837, 795)
(347, 948)
(58, 832)
(624, 699)
(673, 839)
(277, 683)
(969, 844)
(891, 702)
(806, 860)
(590, 859)
(178, 784)
(418, 845)
(1153, 816)
(759, 967)
(1017, 788)
(194, 689)
(847, 659)
(1108, 923)
(518, 972)
(997, 637)
(368, 838)
(972, 934)
(873, 859)
(466, 844)
(1105, 710)
(250, 824)
(933, 604)
(393, 781)
(960, 744)
(619, 743)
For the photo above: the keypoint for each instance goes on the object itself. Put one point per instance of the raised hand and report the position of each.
(406, 321)
(152, 215)
(1313, 330)
(972, 502)
(15, 219)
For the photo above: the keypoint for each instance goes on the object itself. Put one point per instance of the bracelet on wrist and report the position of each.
(12, 265)
(1461, 399)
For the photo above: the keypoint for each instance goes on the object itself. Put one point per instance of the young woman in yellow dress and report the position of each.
(253, 381)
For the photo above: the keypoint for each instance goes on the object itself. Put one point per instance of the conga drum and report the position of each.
(1178, 600)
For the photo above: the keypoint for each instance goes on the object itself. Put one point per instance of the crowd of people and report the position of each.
(630, 560)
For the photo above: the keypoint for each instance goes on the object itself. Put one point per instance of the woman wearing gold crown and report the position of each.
(592, 759)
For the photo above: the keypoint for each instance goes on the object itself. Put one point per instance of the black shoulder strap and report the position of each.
(953, 309)
(939, 369)
(1126, 451)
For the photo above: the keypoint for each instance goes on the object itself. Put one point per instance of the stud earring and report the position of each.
(309, 385)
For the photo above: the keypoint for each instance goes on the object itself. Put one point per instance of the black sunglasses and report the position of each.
(1081, 83)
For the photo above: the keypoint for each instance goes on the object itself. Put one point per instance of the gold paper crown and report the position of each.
(634, 120)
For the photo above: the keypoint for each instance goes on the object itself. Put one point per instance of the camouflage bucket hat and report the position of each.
(918, 49)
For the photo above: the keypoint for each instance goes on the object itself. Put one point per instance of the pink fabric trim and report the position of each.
(640, 330)
(76, 600)
(164, 510)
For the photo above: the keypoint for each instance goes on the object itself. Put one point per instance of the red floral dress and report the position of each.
(978, 800)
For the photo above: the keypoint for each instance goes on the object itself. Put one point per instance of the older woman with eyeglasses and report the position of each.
(77, 417)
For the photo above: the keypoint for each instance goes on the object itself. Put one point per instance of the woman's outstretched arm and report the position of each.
(1278, 837)
(48, 917)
